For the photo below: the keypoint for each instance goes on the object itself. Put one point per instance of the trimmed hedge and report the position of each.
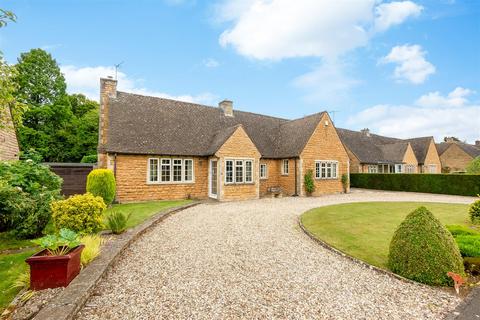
(422, 249)
(457, 184)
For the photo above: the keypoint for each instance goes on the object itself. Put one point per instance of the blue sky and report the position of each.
(401, 68)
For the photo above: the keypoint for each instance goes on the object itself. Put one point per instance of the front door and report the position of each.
(213, 179)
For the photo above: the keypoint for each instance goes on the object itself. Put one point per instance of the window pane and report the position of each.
(263, 171)
(166, 170)
(229, 171)
(153, 173)
(239, 171)
(334, 170)
(285, 166)
(177, 169)
(188, 169)
(248, 171)
(329, 170)
(317, 170)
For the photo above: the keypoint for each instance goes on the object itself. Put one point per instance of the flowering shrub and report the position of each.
(26, 190)
(81, 213)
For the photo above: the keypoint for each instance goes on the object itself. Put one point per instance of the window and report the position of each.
(263, 171)
(398, 168)
(238, 171)
(168, 170)
(248, 171)
(410, 168)
(326, 169)
(152, 170)
(432, 168)
(188, 170)
(372, 169)
(285, 167)
(166, 167)
(177, 170)
(229, 171)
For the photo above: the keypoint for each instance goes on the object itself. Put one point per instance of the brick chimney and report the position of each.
(365, 132)
(227, 107)
(108, 89)
(477, 143)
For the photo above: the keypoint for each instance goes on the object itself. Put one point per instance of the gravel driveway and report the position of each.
(250, 260)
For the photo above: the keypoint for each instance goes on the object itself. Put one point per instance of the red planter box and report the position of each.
(54, 271)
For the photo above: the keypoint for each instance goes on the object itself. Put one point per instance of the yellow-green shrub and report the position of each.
(92, 248)
(101, 182)
(80, 213)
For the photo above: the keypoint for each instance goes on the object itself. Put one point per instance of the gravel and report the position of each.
(250, 259)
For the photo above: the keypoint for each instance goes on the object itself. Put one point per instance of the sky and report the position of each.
(400, 68)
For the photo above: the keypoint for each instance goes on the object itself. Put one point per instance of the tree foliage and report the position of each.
(39, 79)
(8, 102)
(474, 166)
(6, 16)
(61, 127)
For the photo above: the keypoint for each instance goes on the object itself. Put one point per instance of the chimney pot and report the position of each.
(365, 132)
(477, 143)
(227, 107)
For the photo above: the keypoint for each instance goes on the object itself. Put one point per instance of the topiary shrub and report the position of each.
(309, 182)
(81, 213)
(422, 249)
(474, 212)
(101, 182)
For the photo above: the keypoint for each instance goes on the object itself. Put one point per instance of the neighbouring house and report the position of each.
(9, 149)
(371, 153)
(166, 149)
(455, 155)
(427, 154)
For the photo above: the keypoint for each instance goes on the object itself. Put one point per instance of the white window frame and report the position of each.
(285, 165)
(170, 162)
(245, 162)
(372, 168)
(432, 166)
(409, 168)
(399, 168)
(234, 170)
(264, 173)
(149, 170)
(326, 164)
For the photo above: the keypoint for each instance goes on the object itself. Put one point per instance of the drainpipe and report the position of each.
(296, 180)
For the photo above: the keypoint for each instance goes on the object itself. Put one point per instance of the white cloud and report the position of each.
(411, 63)
(278, 29)
(450, 118)
(394, 13)
(211, 63)
(86, 80)
(327, 83)
(456, 98)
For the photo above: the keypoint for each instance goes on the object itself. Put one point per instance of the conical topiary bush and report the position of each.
(422, 249)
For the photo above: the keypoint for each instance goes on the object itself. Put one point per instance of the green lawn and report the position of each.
(12, 265)
(364, 230)
(141, 211)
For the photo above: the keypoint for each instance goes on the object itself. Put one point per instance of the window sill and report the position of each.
(240, 184)
(285, 174)
(326, 179)
(170, 183)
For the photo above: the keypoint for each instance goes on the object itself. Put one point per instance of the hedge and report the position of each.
(458, 184)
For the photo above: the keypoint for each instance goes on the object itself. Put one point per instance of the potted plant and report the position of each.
(59, 261)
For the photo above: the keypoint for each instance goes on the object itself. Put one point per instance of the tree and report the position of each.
(474, 166)
(8, 103)
(6, 16)
(39, 79)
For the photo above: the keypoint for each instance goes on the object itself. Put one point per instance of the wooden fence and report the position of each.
(74, 176)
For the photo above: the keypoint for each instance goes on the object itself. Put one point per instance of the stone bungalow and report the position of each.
(371, 153)
(455, 155)
(9, 149)
(165, 149)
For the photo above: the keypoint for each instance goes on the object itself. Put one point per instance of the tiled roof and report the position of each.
(150, 125)
(470, 149)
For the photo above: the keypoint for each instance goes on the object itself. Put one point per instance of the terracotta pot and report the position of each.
(54, 271)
